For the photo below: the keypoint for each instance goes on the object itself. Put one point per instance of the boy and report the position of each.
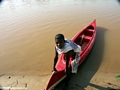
(70, 49)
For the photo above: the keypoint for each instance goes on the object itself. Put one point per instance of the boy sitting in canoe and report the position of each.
(69, 49)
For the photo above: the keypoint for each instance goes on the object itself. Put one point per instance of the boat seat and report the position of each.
(87, 37)
(90, 30)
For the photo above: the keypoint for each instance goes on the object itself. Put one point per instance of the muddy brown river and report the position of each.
(28, 27)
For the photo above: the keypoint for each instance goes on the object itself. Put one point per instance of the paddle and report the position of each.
(81, 39)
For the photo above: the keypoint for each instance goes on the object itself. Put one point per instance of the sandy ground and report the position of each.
(100, 81)
(23, 82)
(89, 80)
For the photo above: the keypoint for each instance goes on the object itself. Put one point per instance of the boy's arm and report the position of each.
(55, 60)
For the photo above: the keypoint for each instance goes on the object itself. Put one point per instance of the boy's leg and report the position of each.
(68, 76)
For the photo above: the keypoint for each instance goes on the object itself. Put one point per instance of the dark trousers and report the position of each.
(68, 76)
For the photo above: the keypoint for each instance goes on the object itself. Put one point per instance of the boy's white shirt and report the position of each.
(67, 47)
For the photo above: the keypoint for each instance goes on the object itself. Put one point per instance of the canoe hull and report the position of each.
(89, 35)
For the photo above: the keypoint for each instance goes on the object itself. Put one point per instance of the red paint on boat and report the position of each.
(85, 38)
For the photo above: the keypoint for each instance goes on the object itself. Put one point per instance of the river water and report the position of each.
(28, 27)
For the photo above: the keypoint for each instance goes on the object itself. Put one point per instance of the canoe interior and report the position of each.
(85, 37)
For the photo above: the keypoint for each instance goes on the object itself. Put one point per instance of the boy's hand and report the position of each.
(54, 70)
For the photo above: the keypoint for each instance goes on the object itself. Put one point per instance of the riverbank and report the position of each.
(88, 80)
(8, 82)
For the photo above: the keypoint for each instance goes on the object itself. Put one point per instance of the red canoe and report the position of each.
(85, 38)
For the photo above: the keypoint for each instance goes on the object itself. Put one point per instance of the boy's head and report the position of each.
(59, 40)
